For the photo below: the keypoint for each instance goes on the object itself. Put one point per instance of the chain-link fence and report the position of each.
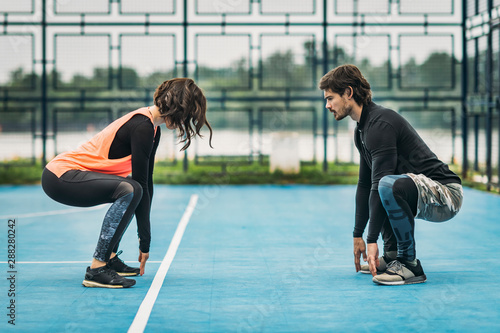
(69, 67)
(481, 87)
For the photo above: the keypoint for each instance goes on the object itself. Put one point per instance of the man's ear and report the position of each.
(349, 92)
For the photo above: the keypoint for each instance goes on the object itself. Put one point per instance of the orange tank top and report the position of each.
(93, 155)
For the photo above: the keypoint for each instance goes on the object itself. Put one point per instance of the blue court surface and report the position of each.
(251, 259)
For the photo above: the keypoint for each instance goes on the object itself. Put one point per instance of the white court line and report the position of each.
(67, 262)
(142, 316)
(51, 212)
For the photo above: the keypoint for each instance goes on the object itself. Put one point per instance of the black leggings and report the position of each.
(86, 189)
(399, 196)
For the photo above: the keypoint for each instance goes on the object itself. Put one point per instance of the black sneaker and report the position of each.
(104, 277)
(401, 272)
(121, 268)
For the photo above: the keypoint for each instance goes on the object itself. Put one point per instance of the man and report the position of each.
(400, 179)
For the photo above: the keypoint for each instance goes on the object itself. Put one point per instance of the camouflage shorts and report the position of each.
(437, 202)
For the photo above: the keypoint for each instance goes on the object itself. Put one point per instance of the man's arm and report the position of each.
(382, 144)
(362, 212)
(362, 196)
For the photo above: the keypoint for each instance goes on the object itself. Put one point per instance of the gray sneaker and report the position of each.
(365, 269)
(400, 272)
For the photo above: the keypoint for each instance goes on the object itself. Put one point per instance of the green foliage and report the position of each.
(20, 79)
(254, 173)
(129, 78)
(282, 69)
(435, 71)
(20, 173)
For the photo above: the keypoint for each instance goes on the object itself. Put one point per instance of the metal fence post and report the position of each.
(325, 70)
(465, 79)
(44, 83)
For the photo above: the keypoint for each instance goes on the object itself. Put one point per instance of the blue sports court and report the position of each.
(251, 259)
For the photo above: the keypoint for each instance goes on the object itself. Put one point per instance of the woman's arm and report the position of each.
(152, 162)
(141, 143)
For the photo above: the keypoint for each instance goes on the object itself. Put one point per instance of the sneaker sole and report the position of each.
(413, 280)
(93, 284)
(127, 274)
(368, 272)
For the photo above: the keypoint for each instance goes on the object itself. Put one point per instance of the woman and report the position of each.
(98, 172)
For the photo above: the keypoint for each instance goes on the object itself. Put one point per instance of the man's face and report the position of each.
(338, 105)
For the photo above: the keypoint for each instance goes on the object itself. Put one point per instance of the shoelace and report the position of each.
(112, 273)
(395, 265)
(109, 271)
(116, 257)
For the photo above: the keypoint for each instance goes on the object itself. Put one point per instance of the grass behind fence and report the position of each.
(16, 173)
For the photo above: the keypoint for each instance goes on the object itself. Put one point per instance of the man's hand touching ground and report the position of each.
(359, 249)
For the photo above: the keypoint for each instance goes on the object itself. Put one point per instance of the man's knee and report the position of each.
(386, 187)
(397, 183)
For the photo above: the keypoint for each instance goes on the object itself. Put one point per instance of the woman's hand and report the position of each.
(143, 257)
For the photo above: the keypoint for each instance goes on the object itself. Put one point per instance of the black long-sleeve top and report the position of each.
(137, 138)
(388, 145)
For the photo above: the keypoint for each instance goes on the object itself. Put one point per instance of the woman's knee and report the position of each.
(128, 186)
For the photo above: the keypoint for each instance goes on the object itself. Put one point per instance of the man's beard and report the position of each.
(346, 110)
